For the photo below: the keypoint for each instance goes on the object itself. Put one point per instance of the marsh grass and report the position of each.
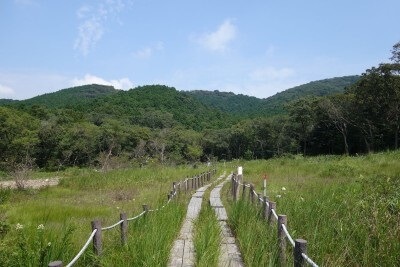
(82, 196)
(207, 236)
(347, 208)
(150, 238)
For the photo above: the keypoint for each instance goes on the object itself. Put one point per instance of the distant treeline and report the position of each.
(158, 123)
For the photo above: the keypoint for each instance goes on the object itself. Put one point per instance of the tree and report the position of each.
(396, 53)
(302, 118)
(80, 144)
(18, 137)
(377, 97)
(337, 109)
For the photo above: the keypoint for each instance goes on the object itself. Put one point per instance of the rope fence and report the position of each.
(270, 215)
(187, 185)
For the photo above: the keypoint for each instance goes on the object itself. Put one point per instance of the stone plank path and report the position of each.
(182, 253)
(230, 254)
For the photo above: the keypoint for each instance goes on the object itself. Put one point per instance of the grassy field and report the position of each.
(347, 208)
(65, 212)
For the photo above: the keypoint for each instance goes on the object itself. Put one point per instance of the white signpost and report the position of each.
(240, 170)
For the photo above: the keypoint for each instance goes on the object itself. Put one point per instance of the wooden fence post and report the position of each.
(251, 194)
(124, 227)
(271, 218)
(55, 264)
(237, 189)
(233, 185)
(97, 237)
(259, 199)
(145, 209)
(265, 208)
(282, 220)
(173, 187)
(299, 248)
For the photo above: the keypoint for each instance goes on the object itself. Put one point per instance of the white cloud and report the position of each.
(271, 73)
(143, 53)
(90, 32)
(123, 83)
(91, 29)
(148, 51)
(83, 11)
(5, 90)
(220, 39)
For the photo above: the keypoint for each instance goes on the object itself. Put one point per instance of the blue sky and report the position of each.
(251, 47)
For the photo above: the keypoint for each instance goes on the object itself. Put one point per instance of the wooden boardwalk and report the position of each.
(182, 253)
(230, 254)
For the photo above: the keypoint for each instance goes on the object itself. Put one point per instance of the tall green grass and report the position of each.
(347, 208)
(207, 237)
(82, 196)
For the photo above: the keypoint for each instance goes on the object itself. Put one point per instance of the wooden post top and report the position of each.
(55, 264)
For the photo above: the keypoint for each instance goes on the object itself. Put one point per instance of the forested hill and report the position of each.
(71, 97)
(238, 105)
(248, 106)
(158, 106)
(161, 105)
(275, 104)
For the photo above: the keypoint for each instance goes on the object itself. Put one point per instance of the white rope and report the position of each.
(247, 185)
(262, 200)
(274, 213)
(255, 193)
(112, 226)
(137, 216)
(310, 261)
(288, 235)
(83, 249)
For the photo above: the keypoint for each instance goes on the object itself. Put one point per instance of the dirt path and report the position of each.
(33, 184)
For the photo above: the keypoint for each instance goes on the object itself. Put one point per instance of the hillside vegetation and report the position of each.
(70, 97)
(248, 106)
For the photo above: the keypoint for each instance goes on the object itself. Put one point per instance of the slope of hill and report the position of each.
(158, 106)
(275, 104)
(70, 96)
(5, 101)
(228, 101)
(248, 106)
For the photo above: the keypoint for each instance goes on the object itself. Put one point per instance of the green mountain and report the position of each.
(158, 106)
(276, 104)
(248, 106)
(7, 101)
(69, 97)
